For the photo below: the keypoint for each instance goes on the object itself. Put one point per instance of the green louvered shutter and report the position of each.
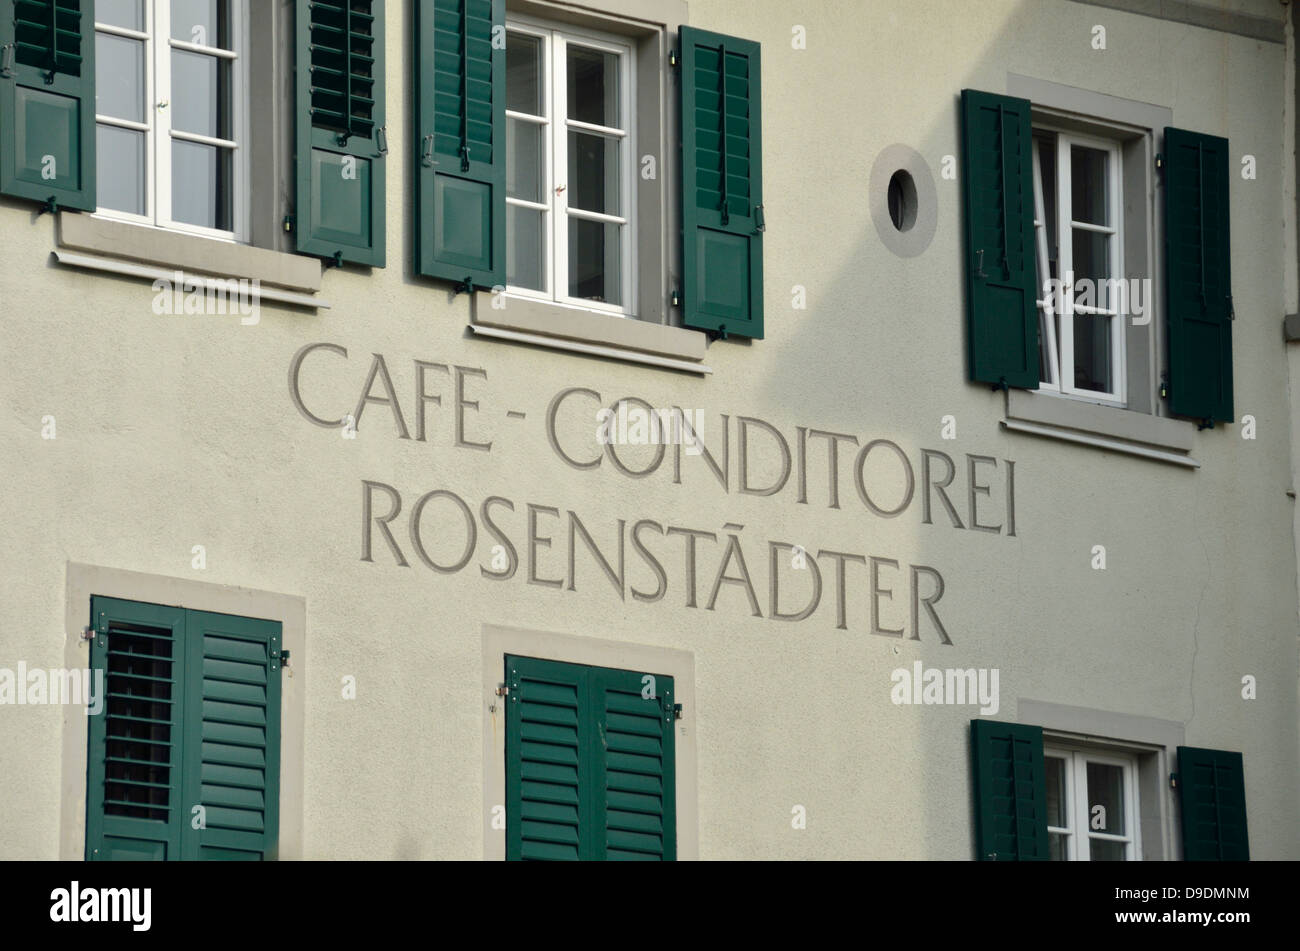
(1213, 799)
(1001, 274)
(1198, 275)
(134, 805)
(232, 737)
(460, 161)
(47, 101)
(635, 766)
(341, 139)
(722, 184)
(549, 736)
(1010, 786)
(590, 763)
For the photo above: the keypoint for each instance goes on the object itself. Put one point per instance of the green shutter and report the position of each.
(722, 184)
(341, 140)
(47, 101)
(1010, 786)
(1001, 272)
(232, 737)
(590, 763)
(1213, 799)
(1198, 275)
(635, 769)
(460, 156)
(192, 717)
(134, 806)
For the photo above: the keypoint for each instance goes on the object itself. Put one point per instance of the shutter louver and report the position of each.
(1010, 789)
(1001, 272)
(1198, 275)
(590, 764)
(635, 766)
(232, 736)
(1213, 800)
(341, 139)
(460, 159)
(47, 96)
(134, 746)
(722, 184)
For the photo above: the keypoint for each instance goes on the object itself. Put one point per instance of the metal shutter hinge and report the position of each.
(677, 711)
(1173, 780)
(503, 690)
(7, 61)
(673, 59)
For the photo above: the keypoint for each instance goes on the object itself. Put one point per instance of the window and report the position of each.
(1091, 806)
(590, 762)
(570, 156)
(171, 114)
(190, 729)
(1079, 255)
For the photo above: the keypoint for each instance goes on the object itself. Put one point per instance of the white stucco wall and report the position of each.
(180, 431)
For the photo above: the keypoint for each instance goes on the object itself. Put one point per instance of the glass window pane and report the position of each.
(201, 185)
(1106, 789)
(120, 169)
(201, 94)
(593, 86)
(595, 261)
(1056, 848)
(124, 13)
(524, 74)
(593, 173)
(119, 77)
(205, 22)
(525, 250)
(1047, 161)
(1091, 251)
(1101, 850)
(1089, 194)
(1092, 369)
(1056, 805)
(524, 160)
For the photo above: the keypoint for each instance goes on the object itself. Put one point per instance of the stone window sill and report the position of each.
(89, 241)
(558, 327)
(1104, 427)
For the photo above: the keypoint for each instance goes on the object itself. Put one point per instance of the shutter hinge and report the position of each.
(677, 711)
(1173, 780)
(503, 690)
(287, 223)
(7, 61)
(1160, 161)
(1232, 311)
(284, 658)
(87, 633)
(673, 59)
(381, 140)
(760, 223)
(675, 299)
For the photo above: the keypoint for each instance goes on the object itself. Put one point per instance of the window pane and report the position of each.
(201, 94)
(1047, 161)
(1056, 847)
(525, 251)
(201, 185)
(1092, 369)
(125, 13)
(1100, 850)
(524, 74)
(205, 22)
(593, 173)
(595, 259)
(119, 77)
(1106, 789)
(1091, 251)
(1056, 806)
(593, 86)
(120, 169)
(1090, 195)
(524, 160)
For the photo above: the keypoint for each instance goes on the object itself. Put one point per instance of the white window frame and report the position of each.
(1077, 832)
(158, 130)
(554, 41)
(1058, 327)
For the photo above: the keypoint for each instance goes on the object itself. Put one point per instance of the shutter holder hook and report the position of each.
(466, 286)
(51, 206)
(334, 260)
(1002, 384)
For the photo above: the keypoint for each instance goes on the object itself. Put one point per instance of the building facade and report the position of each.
(857, 429)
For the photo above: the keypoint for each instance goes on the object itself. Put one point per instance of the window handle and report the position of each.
(163, 104)
(560, 188)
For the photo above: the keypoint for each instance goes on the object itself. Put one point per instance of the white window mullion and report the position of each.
(1065, 267)
(1119, 361)
(1079, 779)
(162, 151)
(1048, 313)
(558, 88)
